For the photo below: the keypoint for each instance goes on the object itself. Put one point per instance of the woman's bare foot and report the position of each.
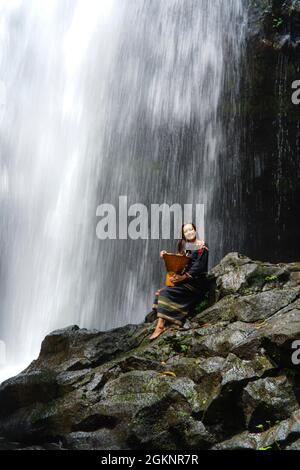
(160, 328)
(157, 332)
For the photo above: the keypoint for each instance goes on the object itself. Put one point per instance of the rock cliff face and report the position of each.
(226, 380)
(270, 130)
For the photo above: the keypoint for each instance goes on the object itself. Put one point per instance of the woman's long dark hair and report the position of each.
(181, 243)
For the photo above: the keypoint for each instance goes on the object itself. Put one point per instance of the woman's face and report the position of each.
(189, 232)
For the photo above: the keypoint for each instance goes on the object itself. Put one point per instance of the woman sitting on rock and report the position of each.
(172, 304)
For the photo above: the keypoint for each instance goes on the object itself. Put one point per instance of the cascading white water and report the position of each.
(101, 98)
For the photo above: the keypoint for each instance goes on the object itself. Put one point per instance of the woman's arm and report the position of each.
(194, 269)
(199, 265)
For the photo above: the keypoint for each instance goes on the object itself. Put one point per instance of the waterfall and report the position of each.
(103, 98)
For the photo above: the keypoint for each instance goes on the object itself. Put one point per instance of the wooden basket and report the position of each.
(174, 265)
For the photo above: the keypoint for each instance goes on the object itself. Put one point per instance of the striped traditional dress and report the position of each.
(173, 304)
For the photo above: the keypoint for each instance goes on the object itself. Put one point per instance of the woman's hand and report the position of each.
(177, 278)
(162, 253)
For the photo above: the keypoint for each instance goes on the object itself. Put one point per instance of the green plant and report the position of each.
(203, 304)
(271, 278)
(184, 348)
(262, 428)
(277, 22)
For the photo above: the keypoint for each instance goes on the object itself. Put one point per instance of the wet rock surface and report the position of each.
(226, 380)
(269, 124)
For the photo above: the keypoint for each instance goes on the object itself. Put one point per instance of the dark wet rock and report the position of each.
(249, 308)
(150, 317)
(240, 338)
(278, 25)
(280, 332)
(25, 389)
(260, 306)
(268, 166)
(294, 446)
(97, 440)
(74, 349)
(272, 398)
(239, 275)
(6, 445)
(280, 436)
(224, 380)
